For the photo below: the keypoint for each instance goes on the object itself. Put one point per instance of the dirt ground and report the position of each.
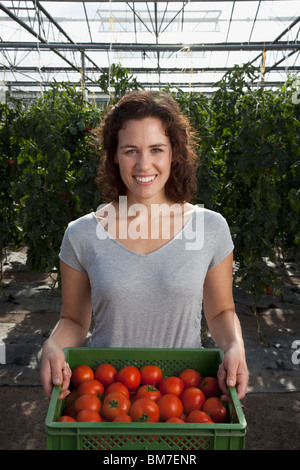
(30, 307)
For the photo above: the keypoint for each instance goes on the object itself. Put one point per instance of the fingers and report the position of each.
(66, 375)
(242, 383)
(57, 372)
(45, 375)
(54, 372)
(222, 376)
(232, 378)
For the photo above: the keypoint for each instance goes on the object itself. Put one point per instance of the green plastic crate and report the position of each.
(146, 436)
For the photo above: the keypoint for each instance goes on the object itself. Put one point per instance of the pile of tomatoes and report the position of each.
(142, 395)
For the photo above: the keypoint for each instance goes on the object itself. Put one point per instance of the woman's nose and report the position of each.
(143, 161)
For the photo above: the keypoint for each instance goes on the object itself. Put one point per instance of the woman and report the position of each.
(147, 261)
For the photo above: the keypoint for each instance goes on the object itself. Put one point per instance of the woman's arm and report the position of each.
(70, 331)
(224, 327)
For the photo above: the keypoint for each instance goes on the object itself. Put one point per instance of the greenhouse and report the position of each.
(188, 44)
(222, 80)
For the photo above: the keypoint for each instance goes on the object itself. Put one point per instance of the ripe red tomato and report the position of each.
(210, 387)
(88, 416)
(66, 419)
(215, 409)
(148, 391)
(71, 398)
(183, 416)
(190, 378)
(92, 387)
(174, 420)
(123, 419)
(198, 416)
(115, 404)
(130, 376)
(70, 411)
(151, 375)
(192, 399)
(87, 402)
(144, 410)
(170, 406)
(117, 387)
(81, 374)
(172, 384)
(106, 374)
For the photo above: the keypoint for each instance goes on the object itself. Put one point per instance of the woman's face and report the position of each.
(144, 156)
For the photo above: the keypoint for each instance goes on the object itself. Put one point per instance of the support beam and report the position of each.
(42, 40)
(142, 1)
(135, 70)
(255, 46)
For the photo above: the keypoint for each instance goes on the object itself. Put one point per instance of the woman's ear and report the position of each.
(116, 159)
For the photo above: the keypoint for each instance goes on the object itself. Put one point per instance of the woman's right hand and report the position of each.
(54, 369)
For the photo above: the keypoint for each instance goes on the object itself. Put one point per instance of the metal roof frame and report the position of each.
(49, 35)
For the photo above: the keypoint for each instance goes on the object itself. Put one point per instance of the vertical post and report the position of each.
(2, 352)
(82, 68)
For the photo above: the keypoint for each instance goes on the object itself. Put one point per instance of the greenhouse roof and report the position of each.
(187, 44)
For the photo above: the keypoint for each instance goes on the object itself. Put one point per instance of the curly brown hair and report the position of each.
(182, 183)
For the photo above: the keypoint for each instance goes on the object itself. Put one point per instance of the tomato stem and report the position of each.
(113, 403)
(143, 418)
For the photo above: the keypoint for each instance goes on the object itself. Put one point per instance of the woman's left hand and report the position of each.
(233, 372)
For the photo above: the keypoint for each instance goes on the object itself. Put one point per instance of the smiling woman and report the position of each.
(147, 290)
(144, 156)
(172, 129)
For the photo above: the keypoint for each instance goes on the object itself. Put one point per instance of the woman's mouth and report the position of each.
(144, 179)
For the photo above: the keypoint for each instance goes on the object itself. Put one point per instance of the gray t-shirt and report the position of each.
(147, 300)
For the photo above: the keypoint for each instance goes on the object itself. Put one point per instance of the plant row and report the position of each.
(249, 151)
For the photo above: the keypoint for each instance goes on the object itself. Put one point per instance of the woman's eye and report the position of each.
(130, 152)
(156, 150)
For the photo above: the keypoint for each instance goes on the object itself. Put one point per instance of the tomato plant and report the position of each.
(144, 410)
(172, 385)
(80, 374)
(120, 79)
(130, 376)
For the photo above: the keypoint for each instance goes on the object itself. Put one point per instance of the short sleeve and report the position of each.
(69, 252)
(223, 243)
